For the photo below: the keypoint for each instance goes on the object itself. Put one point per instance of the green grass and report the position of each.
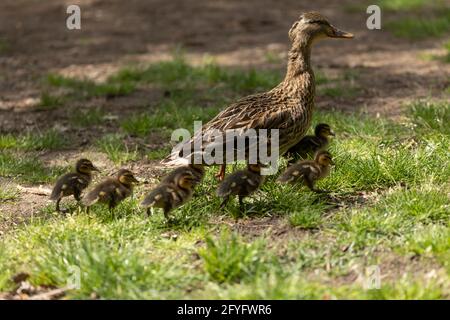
(447, 56)
(82, 88)
(406, 6)
(168, 116)
(116, 150)
(342, 86)
(158, 154)
(8, 193)
(26, 168)
(339, 91)
(4, 46)
(47, 140)
(411, 19)
(231, 259)
(418, 28)
(49, 101)
(409, 5)
(433, 117)
(86, 118)
(179, 75)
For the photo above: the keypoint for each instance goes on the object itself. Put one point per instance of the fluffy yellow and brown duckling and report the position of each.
(308, 171)
(111, 191)
(240, 183)
(171, 194)
(197, 170)
(310, 144)
(73, 183)
(287, 107)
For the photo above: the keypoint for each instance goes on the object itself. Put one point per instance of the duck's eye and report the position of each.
(321, 22)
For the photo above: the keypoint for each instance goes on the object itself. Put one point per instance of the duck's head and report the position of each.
(254, 167)
(126, 177)
(323, 130)
(185, 180)
(324, 158)
(313, 26)
(85, 166)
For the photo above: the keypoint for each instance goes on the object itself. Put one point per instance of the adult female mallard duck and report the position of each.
(287, 107)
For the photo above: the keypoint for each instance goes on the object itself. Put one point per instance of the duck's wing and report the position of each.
(305, 146)
(310, 170)
(60, 185)
(252, 112)
(103, 190)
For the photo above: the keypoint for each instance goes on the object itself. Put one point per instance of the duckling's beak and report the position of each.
(95, 169)
(332, 133)
(336, 33)
(332, 162)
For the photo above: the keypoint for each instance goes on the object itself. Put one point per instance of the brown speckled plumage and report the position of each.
(171, 193)
(73, 183)
(198, 172)
(240, 183)
(309, 145)
(307, 171)
(112, 191)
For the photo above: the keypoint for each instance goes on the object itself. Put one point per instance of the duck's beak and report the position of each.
(336, 33)
(332, 133)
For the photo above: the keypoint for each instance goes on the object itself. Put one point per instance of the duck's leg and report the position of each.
(58, 209)
(241, 203)
(111, 206)
(77, 194)
(309, 183)
(221, 174)
(224, 202)
(167, 209)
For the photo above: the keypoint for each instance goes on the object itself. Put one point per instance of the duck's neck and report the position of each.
(299, 59)
(86, 174)
(127, 185)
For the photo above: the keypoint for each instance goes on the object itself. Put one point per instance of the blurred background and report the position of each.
(401, 61)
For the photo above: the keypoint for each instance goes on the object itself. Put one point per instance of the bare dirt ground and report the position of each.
(237, 33)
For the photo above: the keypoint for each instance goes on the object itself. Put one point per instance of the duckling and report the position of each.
(240, 183)
(312, 143)
(308, 171)
(197, 170)
(172, 193)
(112, 190)
(73, 183)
